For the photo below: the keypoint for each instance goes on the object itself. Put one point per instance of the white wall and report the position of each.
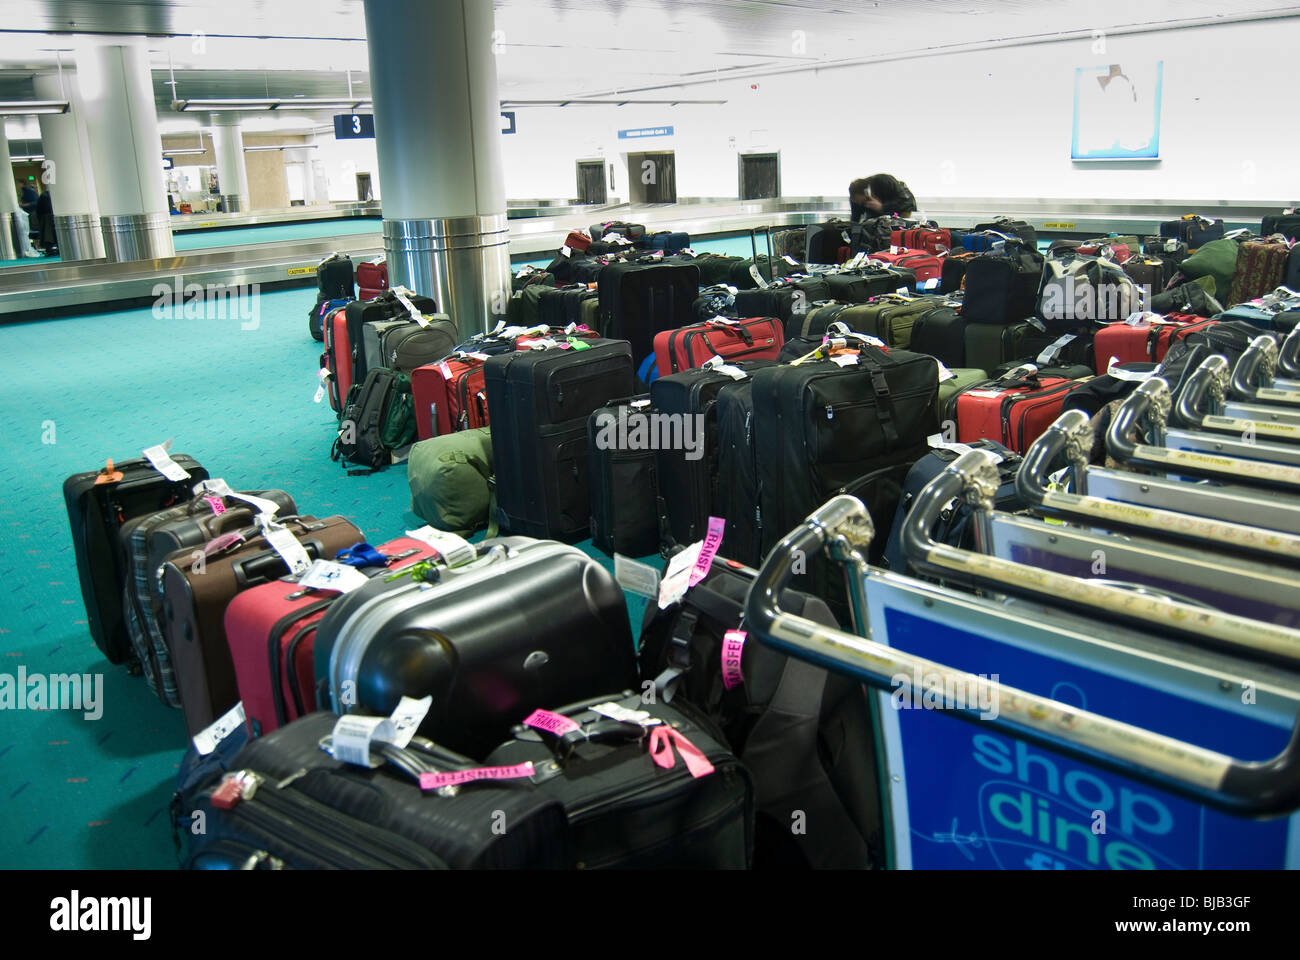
(993, 123)
(343, 160)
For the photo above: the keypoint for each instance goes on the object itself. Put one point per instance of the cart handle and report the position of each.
(1252, 377)
(1071, 436)
(1146, 410)
(1200, 407)
(1246, 788)
(1288, 356)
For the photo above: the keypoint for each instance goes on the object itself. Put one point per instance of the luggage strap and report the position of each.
(477, 463)
(884, 402)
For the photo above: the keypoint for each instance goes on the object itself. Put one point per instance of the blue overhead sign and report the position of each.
(508, 121)
(639, 133)
(354, 126)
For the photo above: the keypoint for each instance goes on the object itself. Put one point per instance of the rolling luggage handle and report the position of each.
(1288, 356)
(1071, 436)
(1200, 403)
(1253, 377)
(1146, 413)
(1246, 788)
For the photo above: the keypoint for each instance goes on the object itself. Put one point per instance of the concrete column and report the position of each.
(116, 86)
(9, 246)
(445, 229)
(232, 172)
(72, 183)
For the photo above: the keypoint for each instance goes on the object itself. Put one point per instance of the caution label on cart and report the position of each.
(1058, 225)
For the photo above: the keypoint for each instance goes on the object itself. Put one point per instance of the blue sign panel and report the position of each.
(639, 133)
(354, 126)
(980, 799)
(508, 121)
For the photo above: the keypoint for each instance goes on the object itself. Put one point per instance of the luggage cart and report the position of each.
(1254, 392)
(1124, 745)
(1197, 422)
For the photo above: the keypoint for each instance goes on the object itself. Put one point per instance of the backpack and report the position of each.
(378, 418)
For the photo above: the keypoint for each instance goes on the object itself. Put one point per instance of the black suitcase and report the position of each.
(941, 333)
(737, 497)
(989, 345)
(96, 512)
(1192, 230)
(622, 479)
(335, 278)
(631, 809)
(638, 300)
(561, 306)
(813, 323)
(689, 489)
(538, 403)
(310, 811)
(1002, 289)
(859, 286)
(818, 426)
(786, 299)
(532, 623)
(386, 306)
(824, 241)
(780, 716)
(1287, 224)
(1012, 228)
(402, 344)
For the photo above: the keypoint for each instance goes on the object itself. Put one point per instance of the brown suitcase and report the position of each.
(194, 606)
(1261, 267)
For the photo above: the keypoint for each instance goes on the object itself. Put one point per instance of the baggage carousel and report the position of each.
(281, 247)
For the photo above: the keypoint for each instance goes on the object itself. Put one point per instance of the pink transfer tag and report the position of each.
(218, 508)
(555, 723)
(662, 741)
(712, 540)
(733, 647)
(433, 781)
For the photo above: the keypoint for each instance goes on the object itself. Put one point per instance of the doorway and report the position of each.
(760, 176)
(364, 191)
(591, 182)
(652, 177)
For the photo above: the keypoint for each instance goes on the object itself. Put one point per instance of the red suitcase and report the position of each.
(927, 265)
(1177, 326)
(1013, 411)
(1135, 342)
(271, 630)
(1119, 252)
(756, 338)
(372, 280)
(337, 358)
(577, 240)
(449, 395)
(922, 238)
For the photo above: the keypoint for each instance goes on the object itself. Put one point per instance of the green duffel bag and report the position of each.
(1217, 259)
(451, 481)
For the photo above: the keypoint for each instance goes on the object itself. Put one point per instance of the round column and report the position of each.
(9, 246)
(70, 179)
(116, 87)
(232, 172)
(445, 228)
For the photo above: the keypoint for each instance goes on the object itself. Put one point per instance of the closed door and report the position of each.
(363, 187)
(660, 178)
(760, 176)
(591, 182)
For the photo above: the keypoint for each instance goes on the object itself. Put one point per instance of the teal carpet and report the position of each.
(272, 233)
(78, 793)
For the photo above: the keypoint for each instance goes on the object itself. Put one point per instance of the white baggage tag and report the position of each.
(219, 488)
(1113, 369)
(617, 712)
(293, 553)
(845, 360)
(677, 578)
(400, 293)
(354, 734)
(206, 740)
(164, 464)
(789, 259)
(1054, 348)
(328, 575)
(323, 376)
(944, 372)
(986, 394)
(930, 284)
(456, 551)
(719, 365)
(639, 578)
(565, 251)
(758, 276)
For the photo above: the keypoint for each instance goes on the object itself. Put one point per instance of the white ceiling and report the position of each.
(560, 48)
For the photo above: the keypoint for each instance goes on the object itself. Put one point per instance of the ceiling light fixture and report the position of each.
(21, 108)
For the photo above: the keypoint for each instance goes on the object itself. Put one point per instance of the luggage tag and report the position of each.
(639, 578)
(936, 442)
(565, 251)
(219, 488)
(757, 276)
(676, 579)
(164, 464)
(733, 649)
(330, 575)
(353, 734)
(664, 738)
(206, 740)
(400, 293)
(1054, 348)
(455, 551)
(944, 372)
(1113, 369)
(323, 376)
(719, 365)
(293, 553)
